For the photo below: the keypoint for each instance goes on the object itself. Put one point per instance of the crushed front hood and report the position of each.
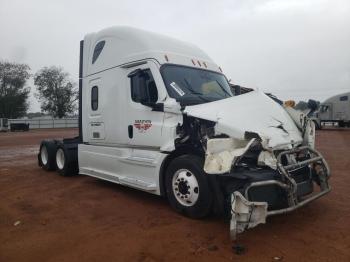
(251, 112)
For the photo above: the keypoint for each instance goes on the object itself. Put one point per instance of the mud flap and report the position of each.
(245, 214)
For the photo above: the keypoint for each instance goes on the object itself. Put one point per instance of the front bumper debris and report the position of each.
(248, 214)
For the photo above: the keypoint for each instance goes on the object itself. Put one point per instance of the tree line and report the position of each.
(56, 92)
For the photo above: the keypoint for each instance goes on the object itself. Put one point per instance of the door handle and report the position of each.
(130, 131)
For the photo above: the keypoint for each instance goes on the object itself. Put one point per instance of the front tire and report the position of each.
(187, 186)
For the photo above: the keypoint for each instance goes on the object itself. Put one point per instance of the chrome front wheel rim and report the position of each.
(185, 187)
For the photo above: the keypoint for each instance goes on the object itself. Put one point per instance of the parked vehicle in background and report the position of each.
(158, 114)
(4, 125)
(19, 127)
(335, 110)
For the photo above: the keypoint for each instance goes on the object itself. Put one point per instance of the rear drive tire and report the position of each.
(64, 163)
(187, 187)
(46, 156)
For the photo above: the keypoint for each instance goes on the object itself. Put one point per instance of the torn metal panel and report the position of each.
(222, 153)
(252, 112)
(306, 125)
(298, 116)
(245, 214)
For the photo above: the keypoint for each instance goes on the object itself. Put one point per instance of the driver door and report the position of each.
(143, 124)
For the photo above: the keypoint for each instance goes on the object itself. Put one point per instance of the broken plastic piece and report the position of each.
(309, 133)
(267, 158)
(222, 153)
(245, 214)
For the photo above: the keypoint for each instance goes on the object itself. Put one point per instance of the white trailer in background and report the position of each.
(157, 114)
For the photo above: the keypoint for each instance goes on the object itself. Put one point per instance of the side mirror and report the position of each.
(134, 73)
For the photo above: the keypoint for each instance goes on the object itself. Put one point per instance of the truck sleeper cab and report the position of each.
(157, 114)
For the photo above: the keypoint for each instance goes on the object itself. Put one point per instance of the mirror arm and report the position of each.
(159, 107)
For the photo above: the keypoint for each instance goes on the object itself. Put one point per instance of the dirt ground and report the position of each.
(46, 217)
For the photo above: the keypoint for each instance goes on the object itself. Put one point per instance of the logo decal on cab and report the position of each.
(143, 125)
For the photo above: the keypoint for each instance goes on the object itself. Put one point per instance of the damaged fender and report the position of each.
(305, 124)
(253, 132)
(309, 133)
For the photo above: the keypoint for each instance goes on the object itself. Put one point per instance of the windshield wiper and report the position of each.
(225, 91)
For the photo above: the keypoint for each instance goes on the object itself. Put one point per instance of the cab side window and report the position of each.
(143, 87)
(344, 98)
(324, 108)
(97, 51)
(94, 98)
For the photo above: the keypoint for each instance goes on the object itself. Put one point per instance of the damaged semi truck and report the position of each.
(157, 114)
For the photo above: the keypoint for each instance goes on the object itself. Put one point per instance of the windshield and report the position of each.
(191, 86)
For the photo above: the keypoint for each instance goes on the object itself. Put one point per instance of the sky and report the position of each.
(295, 49)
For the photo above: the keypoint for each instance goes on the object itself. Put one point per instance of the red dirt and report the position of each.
(82, 218)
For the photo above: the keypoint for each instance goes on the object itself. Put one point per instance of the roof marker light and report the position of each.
(166, 58)
(205, 64)
(193, 62)
(220, 69)
(199, 63)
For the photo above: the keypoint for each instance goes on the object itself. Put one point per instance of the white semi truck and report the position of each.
(157, 114)
(335, 109)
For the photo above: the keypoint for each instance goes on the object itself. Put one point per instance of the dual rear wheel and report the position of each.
(61, 161)
(54, 156)
(46, 156)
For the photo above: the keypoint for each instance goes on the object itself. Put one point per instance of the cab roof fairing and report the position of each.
(126, 44)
